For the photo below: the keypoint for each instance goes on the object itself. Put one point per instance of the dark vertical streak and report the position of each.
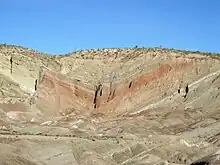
(130, 84)
(101, 92)
(96, 93)
(11, 64)
(35, 86)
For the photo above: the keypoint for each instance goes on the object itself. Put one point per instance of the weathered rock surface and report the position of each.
(108, 106)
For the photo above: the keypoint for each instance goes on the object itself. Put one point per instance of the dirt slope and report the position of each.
(109, 106)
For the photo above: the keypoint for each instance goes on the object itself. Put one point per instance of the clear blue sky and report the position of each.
(61, 26)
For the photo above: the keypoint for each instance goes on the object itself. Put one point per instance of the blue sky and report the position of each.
(62, 26)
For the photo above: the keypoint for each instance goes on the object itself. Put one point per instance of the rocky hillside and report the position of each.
(123, 106)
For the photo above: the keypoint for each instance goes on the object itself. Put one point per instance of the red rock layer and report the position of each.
(56, 93)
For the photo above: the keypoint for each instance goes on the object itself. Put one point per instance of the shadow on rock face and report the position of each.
(201, 163)
(213, 159)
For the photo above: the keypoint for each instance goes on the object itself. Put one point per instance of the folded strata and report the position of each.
(163, 105)
(109, 81)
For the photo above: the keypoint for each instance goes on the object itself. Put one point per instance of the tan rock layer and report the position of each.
(60, 92)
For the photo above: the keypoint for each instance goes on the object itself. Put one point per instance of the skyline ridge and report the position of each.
(134, 47)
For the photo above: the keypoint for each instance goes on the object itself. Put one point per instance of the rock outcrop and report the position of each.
(122, 106)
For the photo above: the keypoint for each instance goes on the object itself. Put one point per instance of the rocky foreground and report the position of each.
(135, 106)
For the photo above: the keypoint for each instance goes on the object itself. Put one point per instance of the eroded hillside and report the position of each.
(108, 106)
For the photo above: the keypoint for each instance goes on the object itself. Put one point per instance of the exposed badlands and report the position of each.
(109, 106)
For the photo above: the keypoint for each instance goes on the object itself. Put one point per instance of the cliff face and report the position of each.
(133, 94)
(118, 85)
